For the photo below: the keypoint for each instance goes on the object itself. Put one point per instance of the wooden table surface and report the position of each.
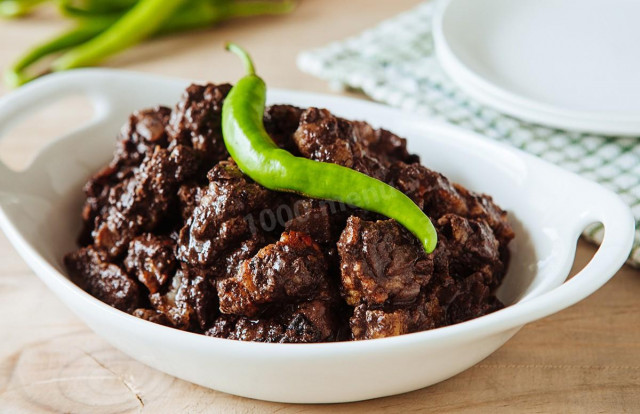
(584, 359)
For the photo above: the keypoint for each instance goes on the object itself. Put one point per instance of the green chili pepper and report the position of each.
(274, 168)
(138, 23)
(88, 8)
(17, 75)
(18, 8)
(206, 13)
(192, 15)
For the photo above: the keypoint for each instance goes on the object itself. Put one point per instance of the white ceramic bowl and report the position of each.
(549, 207)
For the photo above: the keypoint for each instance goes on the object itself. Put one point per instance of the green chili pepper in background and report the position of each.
(206, 13)
(193, 14)
(138, 23)
(18, 8)
(198, 13)
(16, 74)
(87, 8)
(276, 169)
(93, 8)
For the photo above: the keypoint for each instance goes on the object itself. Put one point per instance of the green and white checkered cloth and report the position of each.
(395, 63)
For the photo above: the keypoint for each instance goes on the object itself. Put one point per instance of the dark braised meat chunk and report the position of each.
(152, 315)
(437, 196)
(190, 303)
(290, 270)
(314, 221)
(320, 219)
(324, 137)
(151, 260)
(185, 163)
(381, 263)
(452, 295)
(188, 198)
(195, 121)
(472, 248)
(231, 262)
(430, 190)
(97, 191)
(386, 146)
(303, 323)
(428, 311)
(221, 219)
(90, 269)
(482, 207)
(377, 323)
(281, 121)
(139, 137)
(472, 300)
(174, 233)
(139, 204)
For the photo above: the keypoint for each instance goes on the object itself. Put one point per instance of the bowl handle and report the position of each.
(42, 92)
(617, 219)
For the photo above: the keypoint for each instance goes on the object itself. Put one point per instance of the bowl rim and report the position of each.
(608, 209)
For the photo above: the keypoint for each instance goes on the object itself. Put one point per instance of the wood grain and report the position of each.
(584, 359)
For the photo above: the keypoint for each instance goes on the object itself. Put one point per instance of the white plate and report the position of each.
(549, 208)
(564, 63)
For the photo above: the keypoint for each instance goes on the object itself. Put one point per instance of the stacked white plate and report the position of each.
(570, 64)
